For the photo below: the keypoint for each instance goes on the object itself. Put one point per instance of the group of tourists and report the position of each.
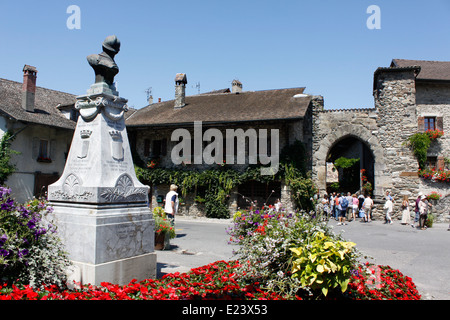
(421, 208)
(339, 206)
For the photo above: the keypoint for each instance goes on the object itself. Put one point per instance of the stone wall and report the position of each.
(331, 126)
(399, 101)
(395, 102)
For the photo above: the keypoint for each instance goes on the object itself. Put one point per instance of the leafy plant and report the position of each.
(220, 181)
(434, 195)
(323, 263)
(6, 168)
(420, 142)
(30, 249)
(345, 163)
(430, 220)
(162, 224)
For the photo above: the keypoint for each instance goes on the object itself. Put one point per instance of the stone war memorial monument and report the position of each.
(100, 207)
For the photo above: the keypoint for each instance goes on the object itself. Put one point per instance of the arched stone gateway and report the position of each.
(331, 129)
(385, 130)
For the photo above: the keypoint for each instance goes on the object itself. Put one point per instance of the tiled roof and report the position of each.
(226, 107)
(430, 70)
(46, 102)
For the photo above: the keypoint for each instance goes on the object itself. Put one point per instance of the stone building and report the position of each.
(42, 123)
(410, 96)
(284, 111)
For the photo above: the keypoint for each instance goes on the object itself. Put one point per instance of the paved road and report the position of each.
(198, 242)
(422, 255)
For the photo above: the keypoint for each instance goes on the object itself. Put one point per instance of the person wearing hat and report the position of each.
(104, 66)
(423, 209)
(171, 205)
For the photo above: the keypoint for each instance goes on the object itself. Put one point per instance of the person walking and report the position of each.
(406, 216)
(388, 208)
(171, 205)
(416, 209)
(367, 207)
(278, 205)
(337, 206)
(326, 206)
(342, 207)
(350, 205)
(354, 205)
(360, 201)
(332, 203)
(424, 205)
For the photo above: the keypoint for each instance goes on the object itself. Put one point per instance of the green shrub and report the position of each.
(30, 249)
(265, 241)
(323, 263)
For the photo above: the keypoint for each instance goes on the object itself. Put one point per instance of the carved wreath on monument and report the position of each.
(124, 191)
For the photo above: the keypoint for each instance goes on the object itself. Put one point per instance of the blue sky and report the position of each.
(323, 45)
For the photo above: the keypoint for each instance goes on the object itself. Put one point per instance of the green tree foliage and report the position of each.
(6, 168)
(219, 182)
(420, 142)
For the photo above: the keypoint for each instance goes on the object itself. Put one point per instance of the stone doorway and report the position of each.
(347, 178)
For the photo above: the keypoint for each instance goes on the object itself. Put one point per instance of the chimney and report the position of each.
(180, 90)
(150, 99)
(236, 86)
(28, 87)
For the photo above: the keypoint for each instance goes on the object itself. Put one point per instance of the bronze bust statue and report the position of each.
(104, 66)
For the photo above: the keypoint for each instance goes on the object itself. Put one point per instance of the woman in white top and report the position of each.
(406, 217)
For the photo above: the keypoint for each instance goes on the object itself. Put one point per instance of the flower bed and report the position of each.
(282, 255)
(218, 281)
(381, 283)
(213, 281)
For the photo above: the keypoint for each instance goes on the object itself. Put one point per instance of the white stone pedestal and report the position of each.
(107, 243)
(100, 207)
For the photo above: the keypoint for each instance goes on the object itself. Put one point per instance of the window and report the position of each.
(146, 148)
(430, 123)
(159, 148)
(431, 163)
(156, 149)
(43, 149)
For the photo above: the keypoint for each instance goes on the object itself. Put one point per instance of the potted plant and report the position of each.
(164, 230)
(434, 196)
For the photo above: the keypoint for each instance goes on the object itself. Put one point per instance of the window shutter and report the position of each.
(421, 124)
(146, 148)
(440, 163)
(440, 123)
(164, 147)
(35, 148)
(52, 149)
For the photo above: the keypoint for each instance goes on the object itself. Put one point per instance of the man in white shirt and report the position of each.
(171, 206)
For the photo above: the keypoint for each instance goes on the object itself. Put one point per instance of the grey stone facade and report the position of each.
(404, 95)
(400, 99)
